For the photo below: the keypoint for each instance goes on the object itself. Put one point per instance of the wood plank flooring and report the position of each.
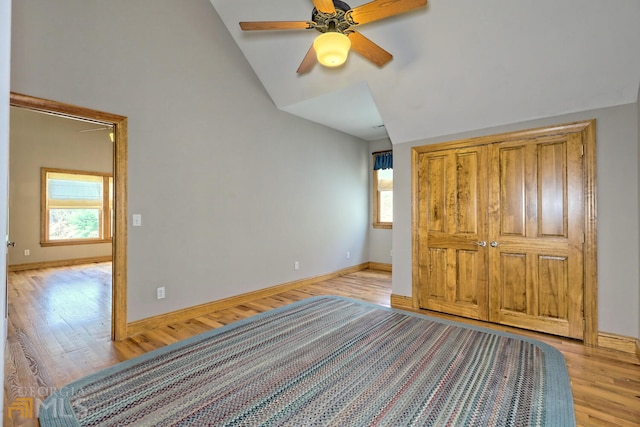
(59, 329)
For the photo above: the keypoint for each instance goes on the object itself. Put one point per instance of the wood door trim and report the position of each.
(119, 244)
(546, 131)
(590, 227)
(587, 131)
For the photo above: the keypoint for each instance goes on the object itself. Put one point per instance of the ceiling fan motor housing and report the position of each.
(339, 21)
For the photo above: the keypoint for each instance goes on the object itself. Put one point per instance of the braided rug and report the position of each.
(328, 361)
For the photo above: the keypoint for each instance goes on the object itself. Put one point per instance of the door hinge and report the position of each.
(582, 150)
(583, 237)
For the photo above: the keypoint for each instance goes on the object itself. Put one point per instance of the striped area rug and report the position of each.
(328, 361)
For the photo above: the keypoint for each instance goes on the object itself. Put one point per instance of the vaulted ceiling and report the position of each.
(458, 65)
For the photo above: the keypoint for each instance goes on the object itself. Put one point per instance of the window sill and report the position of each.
(383, 225)
(75, 242)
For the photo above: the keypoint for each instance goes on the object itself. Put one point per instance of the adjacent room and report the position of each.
(186, 169)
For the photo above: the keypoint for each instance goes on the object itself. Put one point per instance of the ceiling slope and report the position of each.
(458, 65)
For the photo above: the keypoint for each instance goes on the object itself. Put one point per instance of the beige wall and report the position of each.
(41, 140)
(618, 224)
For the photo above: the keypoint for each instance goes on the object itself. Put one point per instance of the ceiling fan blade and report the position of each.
(275, 25)
(380, 9)
(369, 49)
(308, 62)
(325, 6)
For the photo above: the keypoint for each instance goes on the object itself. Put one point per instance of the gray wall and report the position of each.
(42, 140)
(5, 48)
(618, 233)
(231, 190)
(379, 238)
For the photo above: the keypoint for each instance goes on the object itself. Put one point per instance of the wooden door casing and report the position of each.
(120, 126)
(537, 189)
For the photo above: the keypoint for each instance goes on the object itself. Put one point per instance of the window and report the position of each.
(76, 207)
(383, 190)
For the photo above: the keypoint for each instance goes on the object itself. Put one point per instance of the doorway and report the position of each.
(119, 244)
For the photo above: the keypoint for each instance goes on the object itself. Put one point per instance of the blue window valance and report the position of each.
(383, 160)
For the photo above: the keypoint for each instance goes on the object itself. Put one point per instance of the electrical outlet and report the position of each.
(137, 220)
(296, 265)
(27, 252)
(348, 255)
(160, 292)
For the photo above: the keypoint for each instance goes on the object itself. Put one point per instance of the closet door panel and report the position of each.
(435, 174)
(466, 193)
(553, 286)
(529, 193)
(467, 281)
(504, 229)
(512, 187)
(514, 296)
(452, 216)
(553, 191)
(437, 274)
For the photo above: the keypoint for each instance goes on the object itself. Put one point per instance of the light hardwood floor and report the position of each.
(59, 328)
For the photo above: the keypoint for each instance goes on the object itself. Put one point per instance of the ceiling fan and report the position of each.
(335, 20)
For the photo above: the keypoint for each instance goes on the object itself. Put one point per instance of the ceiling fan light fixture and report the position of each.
(332, 48)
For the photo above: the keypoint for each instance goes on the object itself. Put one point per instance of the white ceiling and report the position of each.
(458, 65)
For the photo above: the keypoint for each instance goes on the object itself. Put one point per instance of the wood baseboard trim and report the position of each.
(605, 340)
(58, 263)
(402, 302)
(380, 266)
(619, 343)
(140, 326)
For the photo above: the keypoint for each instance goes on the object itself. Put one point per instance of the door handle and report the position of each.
(481, 243)
(494, 244)
(10, 243)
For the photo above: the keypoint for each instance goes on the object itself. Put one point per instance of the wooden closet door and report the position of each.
(452, 226)
(536, 232)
